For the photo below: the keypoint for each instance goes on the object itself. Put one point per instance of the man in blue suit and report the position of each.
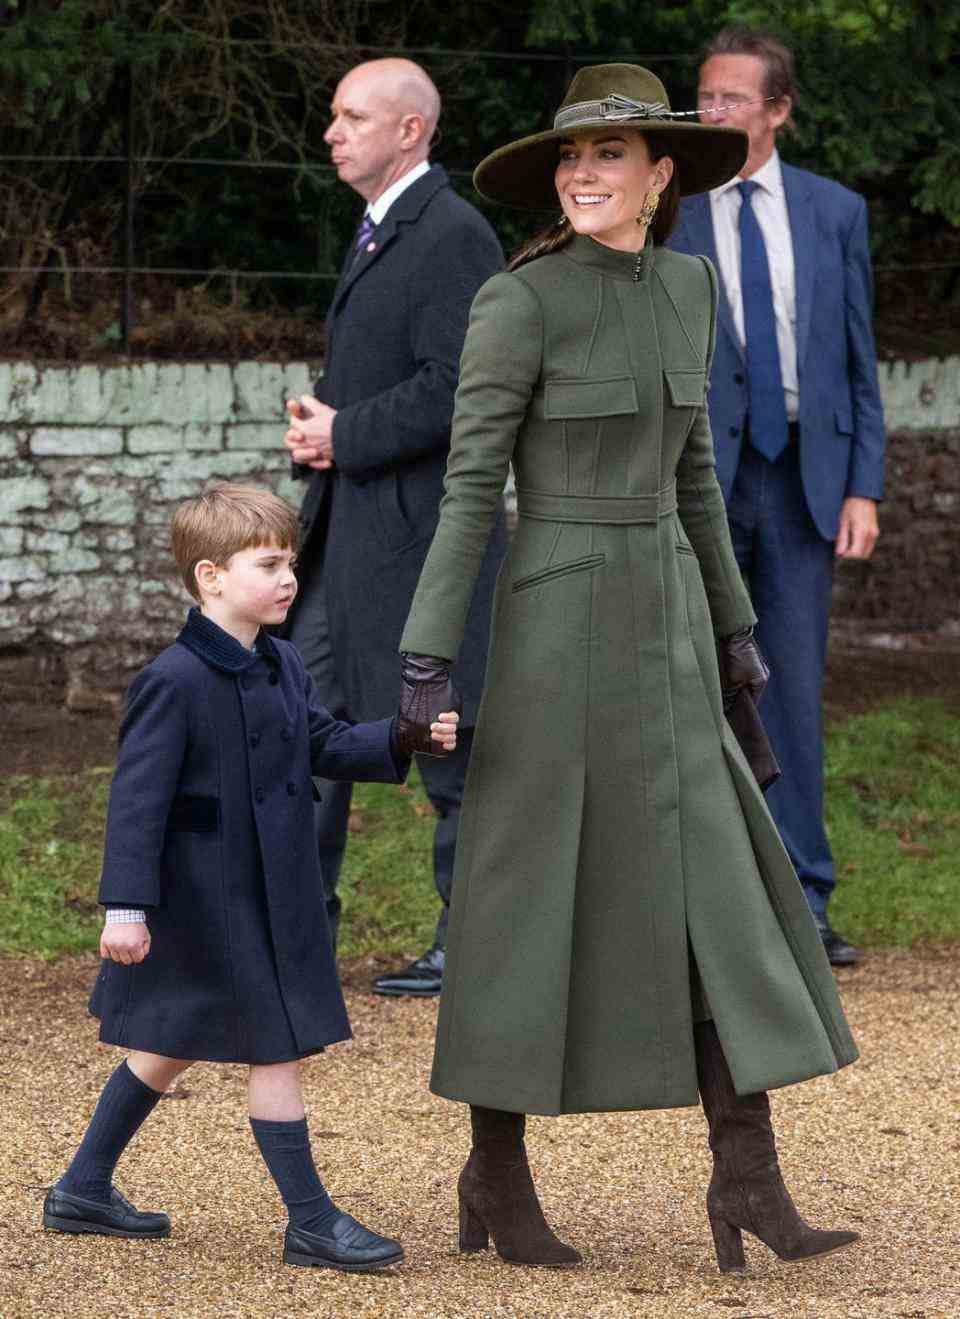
(796, 413)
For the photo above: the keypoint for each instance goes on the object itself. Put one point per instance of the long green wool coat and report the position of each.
(613, 843)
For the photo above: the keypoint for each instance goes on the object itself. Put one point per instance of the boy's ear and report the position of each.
(207, 576)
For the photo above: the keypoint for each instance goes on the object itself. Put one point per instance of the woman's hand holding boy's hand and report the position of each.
(127, 943)
(426, 722)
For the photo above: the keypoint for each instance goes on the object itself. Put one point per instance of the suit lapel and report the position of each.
(407, 209)
(803, 233)
(699, 238)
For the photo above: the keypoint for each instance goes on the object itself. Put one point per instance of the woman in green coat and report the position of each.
(626, 927)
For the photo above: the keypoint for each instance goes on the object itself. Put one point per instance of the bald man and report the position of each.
(373, 440)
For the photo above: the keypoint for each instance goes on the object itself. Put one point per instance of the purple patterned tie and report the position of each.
(363, 234)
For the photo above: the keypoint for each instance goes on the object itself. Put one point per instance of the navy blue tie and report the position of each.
(768, 412)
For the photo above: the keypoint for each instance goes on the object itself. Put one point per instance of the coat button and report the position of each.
(738, 378)
(291, 789)
(259, 795)
(273, 679)
(254, 739)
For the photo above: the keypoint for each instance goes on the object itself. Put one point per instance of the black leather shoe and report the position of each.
(420, 979)
(839, 952)
(348, 1245)
(63, 1212)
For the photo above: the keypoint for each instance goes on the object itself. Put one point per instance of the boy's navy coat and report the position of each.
(210, 828)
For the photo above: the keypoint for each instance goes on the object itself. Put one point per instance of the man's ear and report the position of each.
(413, 130)
(780, 111)
(207, 576)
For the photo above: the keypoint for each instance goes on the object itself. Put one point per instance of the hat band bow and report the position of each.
(614, 107)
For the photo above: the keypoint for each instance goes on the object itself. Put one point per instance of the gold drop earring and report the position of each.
(649, 208)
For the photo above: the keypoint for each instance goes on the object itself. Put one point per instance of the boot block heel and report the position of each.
(473, 1235)
(728, 1243)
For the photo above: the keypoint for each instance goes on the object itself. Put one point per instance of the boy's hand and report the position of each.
(444, 730)
(127, 942)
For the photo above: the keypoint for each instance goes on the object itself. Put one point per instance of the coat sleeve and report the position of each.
(358, 753)
(413, 418)
(865, 475)
(153, 743)
(702, 512)
(501, 364)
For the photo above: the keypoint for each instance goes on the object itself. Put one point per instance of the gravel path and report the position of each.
(876, 1148)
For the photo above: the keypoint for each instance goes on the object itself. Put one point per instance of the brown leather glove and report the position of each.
(425, 692)
(741, 665)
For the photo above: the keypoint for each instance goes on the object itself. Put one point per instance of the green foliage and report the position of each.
(893, 813)
(237, 80)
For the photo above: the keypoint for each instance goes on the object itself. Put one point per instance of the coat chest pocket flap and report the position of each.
(567, 399)
(687, 385)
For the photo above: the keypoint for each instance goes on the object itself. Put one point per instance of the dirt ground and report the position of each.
(875, 1148)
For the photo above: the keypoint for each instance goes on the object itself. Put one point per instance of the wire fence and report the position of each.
(128, 269)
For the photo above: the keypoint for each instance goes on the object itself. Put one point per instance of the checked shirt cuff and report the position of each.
(124, 916)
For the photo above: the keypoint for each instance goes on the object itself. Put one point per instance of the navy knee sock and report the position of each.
(125, 1103)
(285, 1147)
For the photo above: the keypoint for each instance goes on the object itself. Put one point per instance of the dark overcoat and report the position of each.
(395, 331)
(210, 829)
(610, 823)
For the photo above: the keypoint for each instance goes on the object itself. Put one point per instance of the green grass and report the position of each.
(51, 833)
(893, 815)
(893, 796)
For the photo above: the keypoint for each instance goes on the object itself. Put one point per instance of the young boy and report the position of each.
(216, 945)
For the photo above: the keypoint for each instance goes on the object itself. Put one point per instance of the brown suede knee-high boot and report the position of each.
(498, 1198)
(747, 1191)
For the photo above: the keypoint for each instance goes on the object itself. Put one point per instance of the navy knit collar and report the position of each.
(219, 649)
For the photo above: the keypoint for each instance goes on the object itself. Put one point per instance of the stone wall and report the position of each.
(93, 460)
(92, 463)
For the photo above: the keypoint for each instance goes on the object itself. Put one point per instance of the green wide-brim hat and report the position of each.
(607, 96)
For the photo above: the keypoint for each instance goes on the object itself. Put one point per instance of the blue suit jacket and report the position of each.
(841, 415)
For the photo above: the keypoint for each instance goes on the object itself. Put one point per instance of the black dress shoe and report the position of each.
(420, 979)
(63, 1212)
(839, 952)
(348, 1245)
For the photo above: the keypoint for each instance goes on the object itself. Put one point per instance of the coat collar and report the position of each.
(609, 261)
(407, 209)
(219, 649)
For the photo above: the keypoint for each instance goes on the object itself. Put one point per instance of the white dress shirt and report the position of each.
(378, 209)
(769, 204)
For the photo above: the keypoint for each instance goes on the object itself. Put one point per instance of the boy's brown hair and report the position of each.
(227, 518)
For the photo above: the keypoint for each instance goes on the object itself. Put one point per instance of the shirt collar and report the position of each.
(219, 649)
(769, 177)
(377, 210)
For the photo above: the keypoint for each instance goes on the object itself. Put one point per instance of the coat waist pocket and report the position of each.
(558, 570)
(194, 814)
